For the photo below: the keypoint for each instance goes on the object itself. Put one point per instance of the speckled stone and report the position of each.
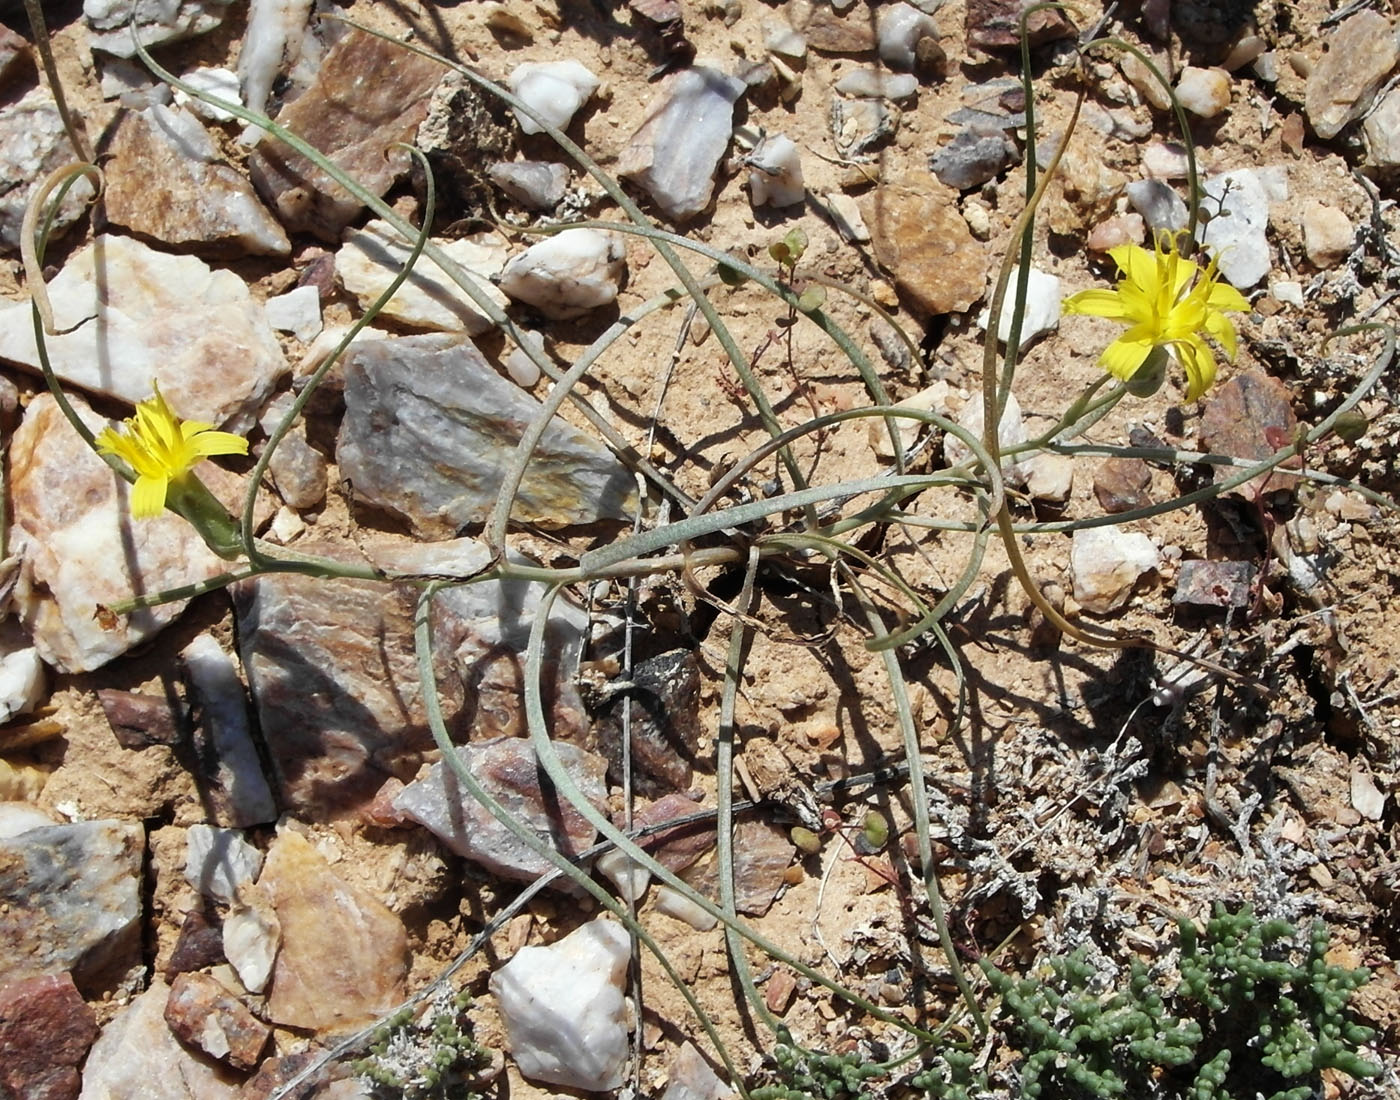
(920, 236)
(1361, 53)
(45, 1030)
(206, 1015)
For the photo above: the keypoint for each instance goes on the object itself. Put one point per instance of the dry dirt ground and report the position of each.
(1097, 811)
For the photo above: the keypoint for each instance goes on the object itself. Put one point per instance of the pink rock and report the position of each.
(45, 1030)
(206, 1015)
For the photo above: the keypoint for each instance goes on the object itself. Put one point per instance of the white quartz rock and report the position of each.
(372, 257)
(553, 89)
(219, 861)
(1010, 432)
(272, 40)
(1106, 562)
(675, 152)
(1042, 312)
(1236, 236)
(129, 315)
(251, 937)
(298, 312)
(22, 678)
(566, 1022)
(898, 32)
(630, 878)
(775, 178)
(875, 84)
(222, 83)
(568, 274)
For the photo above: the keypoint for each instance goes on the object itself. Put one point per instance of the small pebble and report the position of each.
(898, 33)
(775, 177)
(874, 84)
(1162, 209)
(1327, 234)
(1119, 229)
(1203, 92)
(555, 90)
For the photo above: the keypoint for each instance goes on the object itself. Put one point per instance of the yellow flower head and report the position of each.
(1169, 302)
(162, 448)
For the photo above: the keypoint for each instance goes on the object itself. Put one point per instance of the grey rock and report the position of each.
(220, 83)
(877, 84)
(32, 144)
(1236, 236)
(157, 22)
(70, 900)
(568, 274)
(81, 550)
(230, 776)
(297, 312)
(1361, 53)
(972, 158)
(298, 469)
(689, 1076)
(566, 1021)
(368, 95)
(130, 316)
(1382, 132)
(674, 153)
(1162, 209)
(664, 726)
(219, 861)
(858, 126)
(138, 1055)
(506, 767)
(429, 426)
(536, 184)
(1213, 584)
(775, 176)
(166, 181)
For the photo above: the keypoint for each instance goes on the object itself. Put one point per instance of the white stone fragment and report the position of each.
(537, 184)
(221, 83)
(780, 38)
(675, 152)
(1382, 131)
(845, 215)
(523, 369)
(1367, 799)
(251, 938)
(129, 315)
(775, 178)
(631, 879)
(1327, 234)
(566, 1021)
(1105, 563)
(1164, 161)
(371, 258)
(1236, 236)
(271, 41)
(555, 90)
(1203, 92)
(287, 525)
(19, 817)
(877, 84)
(1287, 291)
(1050, 477)
(1010, 432)
(298, 312)
(1042, 312)
(22, 679)
(933, 398)
(111, 27)
(219, 861)
(568, 274)
(675, 904)
(898, 31)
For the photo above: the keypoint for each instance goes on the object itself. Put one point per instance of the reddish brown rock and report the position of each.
(203, 1014)
(679, 847)
(829, 32)
(762, 853)
(166, 182)
(14, 55)
(368, 95)
(1213, 584)
(139, 721)
(1122, 484)
(45, 1030)
(1250, 417)
(200, 945)
(922, 239)
(344, 955)
(996, 24)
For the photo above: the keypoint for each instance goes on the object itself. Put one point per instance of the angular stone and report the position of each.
(1213, 584)
(272, 41)
(900, 29)
(536, 184)
(131, 316)
(762, 854)
(232, 785)
(166, 181)
(81, 550)
(665, 723)
(204, 1014)
(775, 172)
(298, 469)
(689, 1076)
(1122, 484)
(219, 861)
(919, 236)
(199, 946)
(506, 767)
(568, 274)
(1041, 314)
(1084, 191)
(70, 900)
(877, 84)
(996, 25)
(1203, 92)
(1250, 417)
(45, 1030)
(566, 1021)
(1106, 563)
(1236, 236)
(1327, 234)
(1361, 53)
(829, 32)
(368, 95)
(554, 90)
(674, 153)
(372, 258)
(22, 680)
(465, 128)
(137, 1055)
(858, 126)
(1382, 132)
(157, 22)
(429, 427)
(32, 144)
(251, 936)
(680, 846)
(297, 312)
(15, 55)
(344, 955)
(972, 159)
(1161, 207)
(139, 721)
(220, 83)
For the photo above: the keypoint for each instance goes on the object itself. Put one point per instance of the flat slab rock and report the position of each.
(70, 901)
(32, 144)
(157, 22)
(920, 236)
(368, 95)
(166, 181)
(429, 427)
(139, 316)
(80, 549)
(507, 768)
